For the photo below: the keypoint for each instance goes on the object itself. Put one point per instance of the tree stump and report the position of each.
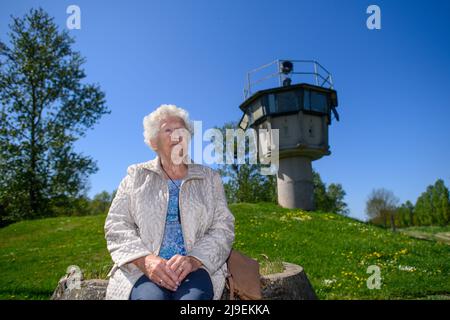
(292, 284)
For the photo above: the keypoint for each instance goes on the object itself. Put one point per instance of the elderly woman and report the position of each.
(169, 230)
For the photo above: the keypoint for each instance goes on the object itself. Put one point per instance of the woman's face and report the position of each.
(171, 140)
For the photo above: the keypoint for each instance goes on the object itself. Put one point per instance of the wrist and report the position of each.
(142, 262)
(196, 262)
(139, 262)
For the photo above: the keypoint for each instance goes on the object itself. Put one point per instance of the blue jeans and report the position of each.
(196, 286)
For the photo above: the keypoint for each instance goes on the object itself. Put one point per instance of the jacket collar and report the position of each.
(194, 170)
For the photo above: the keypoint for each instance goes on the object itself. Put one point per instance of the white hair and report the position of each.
(152, 121)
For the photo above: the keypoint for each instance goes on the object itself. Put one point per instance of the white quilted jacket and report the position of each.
(135, 223)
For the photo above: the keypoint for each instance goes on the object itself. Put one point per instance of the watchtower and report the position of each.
(302, 113)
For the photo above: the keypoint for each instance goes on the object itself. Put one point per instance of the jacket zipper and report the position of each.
(181, 217)
(165, 218)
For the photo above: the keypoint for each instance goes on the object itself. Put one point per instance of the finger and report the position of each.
(162, 274)
(178, 272)
(177, 264)
(178, 269)
(169, 272)
(164, 285)
(175, 259)
(155, 265)
(166, 282)
(171, 278)
(171, 260)
(162, 268)
(168, 287)
(185, 270)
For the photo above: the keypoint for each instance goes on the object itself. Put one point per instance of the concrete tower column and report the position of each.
(295, 183)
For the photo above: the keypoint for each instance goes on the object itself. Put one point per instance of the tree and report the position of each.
(442, 202)
(380, 205)
(329, 199)
(101, 202)
(336, 194)
(424, 208)
(433, 206)
(45, 108)
(410, 208)
(405, 214)
(321, 200)
(244, 182)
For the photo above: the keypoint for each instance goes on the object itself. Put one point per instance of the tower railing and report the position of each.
(319, 75)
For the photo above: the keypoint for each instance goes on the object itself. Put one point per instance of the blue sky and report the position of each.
(393, 84)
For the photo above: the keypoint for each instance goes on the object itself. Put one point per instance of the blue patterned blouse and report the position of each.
(173, 242)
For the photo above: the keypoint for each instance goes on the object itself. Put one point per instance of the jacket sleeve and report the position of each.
(121, 234)
(214, 247)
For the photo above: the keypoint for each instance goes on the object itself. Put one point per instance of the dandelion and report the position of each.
(406, 268)
(403, 251)
(329, 282)
(374, 254)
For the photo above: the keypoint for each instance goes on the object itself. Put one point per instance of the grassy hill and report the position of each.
(335, 252)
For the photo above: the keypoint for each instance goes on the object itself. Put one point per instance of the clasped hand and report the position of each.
(169, 273)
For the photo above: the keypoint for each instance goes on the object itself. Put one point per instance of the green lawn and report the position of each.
(335, 252)
(433, 233)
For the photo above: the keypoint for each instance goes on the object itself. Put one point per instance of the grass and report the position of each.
(34, 255)
(270, 266)
(335, 252)
(433, 233)
(429, 229)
